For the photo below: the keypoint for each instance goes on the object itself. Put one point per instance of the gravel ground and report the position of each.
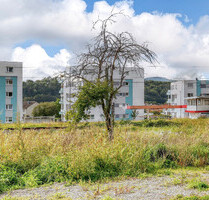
(153, 188)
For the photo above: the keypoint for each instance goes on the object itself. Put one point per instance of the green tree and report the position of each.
(45, 90)
(47, 109)
(108, 54)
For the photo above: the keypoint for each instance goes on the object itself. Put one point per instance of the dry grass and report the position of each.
(31, 158)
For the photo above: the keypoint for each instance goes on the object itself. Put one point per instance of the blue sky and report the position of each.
(194, 9)
(45, 35)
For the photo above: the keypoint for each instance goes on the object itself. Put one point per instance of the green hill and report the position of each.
(155, 92)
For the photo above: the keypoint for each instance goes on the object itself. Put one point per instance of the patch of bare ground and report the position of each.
(182, 183)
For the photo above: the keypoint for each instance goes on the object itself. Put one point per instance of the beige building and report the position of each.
(28, 107)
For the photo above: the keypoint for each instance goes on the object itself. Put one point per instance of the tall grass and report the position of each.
(31, 158)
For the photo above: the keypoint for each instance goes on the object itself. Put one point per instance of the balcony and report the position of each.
(168, 92)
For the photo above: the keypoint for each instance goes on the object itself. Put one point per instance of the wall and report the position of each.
(16, 88)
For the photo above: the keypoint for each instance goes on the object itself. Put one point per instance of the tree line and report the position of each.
(47, 90)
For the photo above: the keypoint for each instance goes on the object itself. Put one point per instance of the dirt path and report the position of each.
(154, 188)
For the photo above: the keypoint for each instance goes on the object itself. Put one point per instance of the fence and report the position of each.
(42, 119)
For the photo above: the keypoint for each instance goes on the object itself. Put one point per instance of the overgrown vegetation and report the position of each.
(31, 158)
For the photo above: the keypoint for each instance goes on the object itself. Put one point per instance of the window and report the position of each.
(204, 94)
(122, 94)
(193, 103)
(91, 116)
(173, 97)
(116, 105)
(190, 85)
(202, 85)
(8, 119)
(199, 102)
(117, 116)
(116, 83)
(190, 94)
(9, 106)
(9, 81)
(206, 102)
(126, 73)
(9, 69)
(125, 83)
(9, 94)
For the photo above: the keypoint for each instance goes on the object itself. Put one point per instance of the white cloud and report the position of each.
(54, 22)
(37, 64)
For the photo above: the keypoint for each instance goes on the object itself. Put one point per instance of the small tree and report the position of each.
(108, 54)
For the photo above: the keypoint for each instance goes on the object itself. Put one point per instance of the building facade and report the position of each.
(28, 107)
(182, 91)
(131, 93)
(10, 91)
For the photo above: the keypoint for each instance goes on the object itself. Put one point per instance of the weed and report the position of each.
(198, 184)
(181, 197)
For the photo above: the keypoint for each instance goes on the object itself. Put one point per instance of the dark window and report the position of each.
(9, 81)
(9, 69)
(203, 85)
(190, 85)
(9, 94)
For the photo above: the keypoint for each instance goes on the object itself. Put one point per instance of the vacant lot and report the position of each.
(30, 158)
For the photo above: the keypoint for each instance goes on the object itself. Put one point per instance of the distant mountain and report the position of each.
(158, 79)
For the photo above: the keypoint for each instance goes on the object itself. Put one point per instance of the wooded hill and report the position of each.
(44, 90)
(47, 90)
(155, 92)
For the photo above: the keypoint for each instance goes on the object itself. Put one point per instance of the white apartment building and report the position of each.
(10, 91)
(131, 93)
(182, 92)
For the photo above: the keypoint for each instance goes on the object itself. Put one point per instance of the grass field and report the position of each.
(31, 158)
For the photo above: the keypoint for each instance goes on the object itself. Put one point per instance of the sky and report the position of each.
(47, 34)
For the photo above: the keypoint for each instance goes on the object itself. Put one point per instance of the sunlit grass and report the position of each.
(34, 157)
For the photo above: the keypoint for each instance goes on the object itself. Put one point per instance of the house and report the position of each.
(10, 91)
(192, 93)
(197, 106)
(131, 93)
(28, 107)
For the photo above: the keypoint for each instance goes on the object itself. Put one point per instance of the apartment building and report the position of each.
(131, 93)
(187, 92)
(10, 91)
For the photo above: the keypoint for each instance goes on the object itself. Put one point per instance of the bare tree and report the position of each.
(110, 53)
